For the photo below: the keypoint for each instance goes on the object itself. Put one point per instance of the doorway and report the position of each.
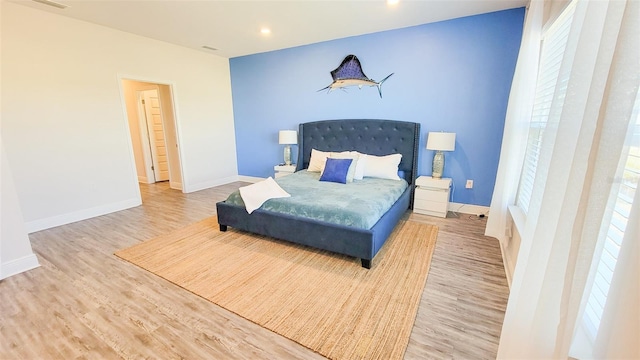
(152, 127)
(151, 114)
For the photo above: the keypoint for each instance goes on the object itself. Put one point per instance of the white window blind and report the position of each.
(613, 229)
(550, 86)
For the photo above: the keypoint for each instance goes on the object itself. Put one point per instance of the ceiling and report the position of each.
(233, 27)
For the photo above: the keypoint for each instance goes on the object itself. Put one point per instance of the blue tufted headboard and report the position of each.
(375, 137)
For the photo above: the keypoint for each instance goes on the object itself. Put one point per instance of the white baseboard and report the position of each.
(251, 179)
(18, 266)
(175, 185)
(47, 223)
(468, 209)
(506, 262)
(516, 222)
(223, 181)
(187, 188)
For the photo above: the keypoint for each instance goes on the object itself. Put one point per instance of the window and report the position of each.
(614, 226)
(551, 85)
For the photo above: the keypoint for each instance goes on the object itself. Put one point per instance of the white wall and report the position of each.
(16, 255)
(63, 119)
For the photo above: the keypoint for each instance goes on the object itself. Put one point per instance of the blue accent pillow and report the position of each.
(335, 170)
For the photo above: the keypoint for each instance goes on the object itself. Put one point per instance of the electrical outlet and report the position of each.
(469, 184)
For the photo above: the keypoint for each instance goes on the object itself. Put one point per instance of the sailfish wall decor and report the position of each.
(350, 73)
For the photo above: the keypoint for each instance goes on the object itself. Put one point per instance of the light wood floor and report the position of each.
(83, 302)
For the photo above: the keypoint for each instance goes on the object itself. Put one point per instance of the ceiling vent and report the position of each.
(209, 48)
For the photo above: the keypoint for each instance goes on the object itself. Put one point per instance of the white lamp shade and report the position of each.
(288, 137)
(441, 141)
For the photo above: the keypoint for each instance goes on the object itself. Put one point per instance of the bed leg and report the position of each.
(366, 263)
(223, 227)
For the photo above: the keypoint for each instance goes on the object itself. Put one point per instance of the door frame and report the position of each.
(176, 184)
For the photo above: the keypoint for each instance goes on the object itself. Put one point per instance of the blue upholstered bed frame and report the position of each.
(375, 137)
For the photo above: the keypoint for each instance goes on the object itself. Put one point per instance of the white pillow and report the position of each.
(255, 195)
(353, 155)
(362, 163)
(383, 167)
(318, 160)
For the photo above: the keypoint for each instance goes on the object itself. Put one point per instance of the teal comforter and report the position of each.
(360, 203)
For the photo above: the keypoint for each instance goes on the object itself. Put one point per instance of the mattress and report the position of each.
(360, 203)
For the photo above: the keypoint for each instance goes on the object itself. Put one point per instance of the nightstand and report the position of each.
(432, 196)
(284, 170)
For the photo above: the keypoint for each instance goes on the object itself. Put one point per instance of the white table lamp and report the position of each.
(287, 138)
(440, 141)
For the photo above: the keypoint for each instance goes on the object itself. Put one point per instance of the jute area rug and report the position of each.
(324, 301)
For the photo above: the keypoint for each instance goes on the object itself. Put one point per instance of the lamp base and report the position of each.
(438, 165)
(287, 154)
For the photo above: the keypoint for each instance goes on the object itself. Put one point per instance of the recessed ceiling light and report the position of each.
(265, 31)
(392, 2)
(52, 3)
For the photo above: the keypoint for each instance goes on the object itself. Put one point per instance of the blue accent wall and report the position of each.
(452, 76)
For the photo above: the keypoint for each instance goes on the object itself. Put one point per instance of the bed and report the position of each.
(369, 136)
